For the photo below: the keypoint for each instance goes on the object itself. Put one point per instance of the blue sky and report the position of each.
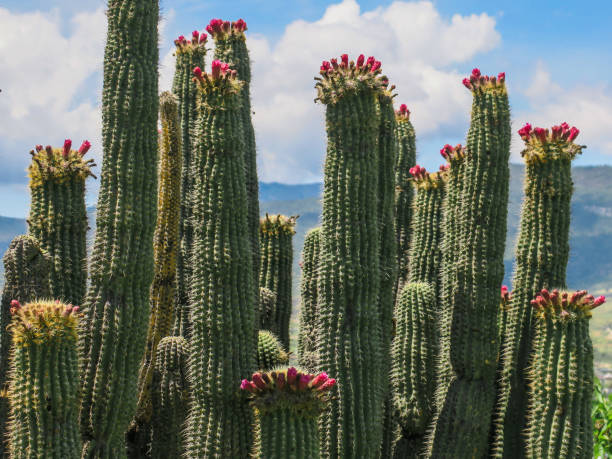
(556, 56)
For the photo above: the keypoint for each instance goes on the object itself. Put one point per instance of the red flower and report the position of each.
(67, 146)
(280, 380)
(476, 73)
(573, 134)
(345, 60)
(196, 35)
(216, 68)
(525, 131)
(360, 61)
(258, 381)
(467, 83)
(328, 384)
(240, 25)
(203, 38)
(197, 72)
(501, 76)
(599, 301)
(291, 375)
(304, 380)
(84, 148)
(371, 60)
(39, 147)
(319, 380)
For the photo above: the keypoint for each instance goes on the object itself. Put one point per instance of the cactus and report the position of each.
(276, 243)
(476, 274)
(26, 271)
(559, 423)
(307, 345)
(541, 261)
(116, 309)
(44, 381)
(267, 302)
(270, 352)
(58, 217)
(406, 158)
(165, 248)
(189, 55)
(169, 396)
(223, 338)
(415, 346)
(287, 403)
(413, 367)
(350, 341)
(230, 47)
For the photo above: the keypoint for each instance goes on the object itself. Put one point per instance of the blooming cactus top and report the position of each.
(453, 154)
(506, 298)
(348, 77)
(197, 43)
(565, 306)
(278, 224)
(59, 164)
(220, 81)
(478, 83)
(542, 145)
(402, 114)
(43, 322)
(220, 29)
(290, 389)
(425, 180)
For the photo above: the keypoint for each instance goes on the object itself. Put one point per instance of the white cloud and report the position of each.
(589, 108)
(416, 46)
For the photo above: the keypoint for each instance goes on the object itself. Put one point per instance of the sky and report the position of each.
(556, 55)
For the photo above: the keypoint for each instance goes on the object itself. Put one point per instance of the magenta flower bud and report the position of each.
(540, 133)
(15, 304)
(319, 380)
(39, 147)
(216, 68)
(573, 134)
(467, 83)
(375, 66)
(203, 38)
(67, 146)
(327, 385)
(476, 73)
(360, 61)
(76, 309)
(334, 63)
(227, 26)
(258, 381)
(501, 76)
(197, 72)
(210, 30)
(291, 375)
(370, 61)
(280, 380)
(195, 34)
(181, 38)
(599, 301)
(304, 380)
(240, 25)
(84, 148)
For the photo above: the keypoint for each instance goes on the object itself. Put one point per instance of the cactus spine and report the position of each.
(165, 252)
(559, 423)
(406, 158)
(189, 55)
(230, 47)
(117, 305)
(541, 261)
(169, 396)
(270, 352)
(476, 275)
(307, 345)
(415, 346)
(222, 294)
(44, 381)
(58, 218)
(267, 302)
(287, 403)
(26, 272)
(350, 342)
(276, 243)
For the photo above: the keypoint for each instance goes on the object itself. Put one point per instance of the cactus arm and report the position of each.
(307, 350)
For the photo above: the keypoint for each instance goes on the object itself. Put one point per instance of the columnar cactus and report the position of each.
(222, 295)
(350, 342)
(287, 403)
(270, 352)
(165, 252)
(116, 310)
(415, 346)
(307, 344)
(189, 55)
(560, 391)
(541, 262)
(230, 47)
(413, 378)
(476, 274)
(276, 245)
(44, 381)
(26, 272)
(58, 217)
(267, 303)
(170, 396)
(406, 158)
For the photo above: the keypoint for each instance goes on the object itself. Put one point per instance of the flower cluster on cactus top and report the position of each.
(59, 164)
(565, 306)
(478, 82)
(506, 298)
(278, 224)
(542, 144)
(453, 154)
(220, 29)
(402, 114)
(43, 322)
(339, 78)
(221, 79)
(425, 180)
(198, 41)
(290, 388)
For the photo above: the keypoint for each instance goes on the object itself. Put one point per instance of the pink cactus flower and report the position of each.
(303, 383)
(39, 147)
(216, 68)
(371, 60)
(327, 385)
(203, 38)
(599, 301)
(280, 380)
(84, 148)
(197, 72)
(467, 83)
(501, 76)
(291, 375)
(319, 380)
(67, 146)
(240, 25)
(345, 60)
(476, 73)
(360, 61)
(573, 134)
(258, 381)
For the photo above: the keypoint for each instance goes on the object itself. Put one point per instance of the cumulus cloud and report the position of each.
(45, 96)
(587, 107)
(417, 47)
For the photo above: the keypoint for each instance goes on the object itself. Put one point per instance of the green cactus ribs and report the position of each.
(287, 403)
(189, 55)
(350, 338)
(270, 352)
(541, 262)
(307, 344)
(559, 423)
(44, 381)
(276, 245)
(222, 293)
(58, 217)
